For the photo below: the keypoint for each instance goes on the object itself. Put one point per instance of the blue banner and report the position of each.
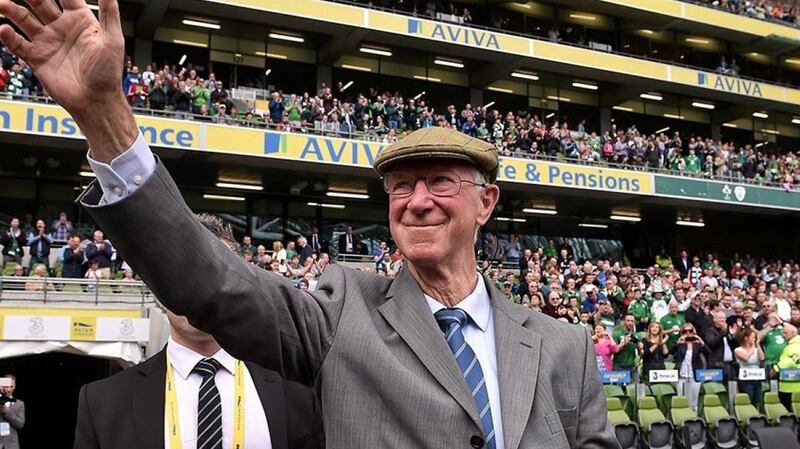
(615, 377)
(790, 374)
(708, 375)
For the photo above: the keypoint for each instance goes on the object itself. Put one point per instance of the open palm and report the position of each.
(77, 58)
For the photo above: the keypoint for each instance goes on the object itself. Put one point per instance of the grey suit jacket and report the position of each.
(16, 418)
(370, 345)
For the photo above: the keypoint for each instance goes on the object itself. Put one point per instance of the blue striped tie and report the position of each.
(452, 321)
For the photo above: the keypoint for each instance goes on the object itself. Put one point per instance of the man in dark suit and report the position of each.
(73, 259)
(720, 342)
(348, 242)
(683, 264)
(127, 410)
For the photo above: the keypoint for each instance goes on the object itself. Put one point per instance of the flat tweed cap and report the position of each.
(440, 143)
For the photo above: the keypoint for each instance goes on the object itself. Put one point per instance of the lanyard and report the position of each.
(171, 408)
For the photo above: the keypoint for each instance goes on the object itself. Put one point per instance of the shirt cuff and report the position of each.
(126, 173)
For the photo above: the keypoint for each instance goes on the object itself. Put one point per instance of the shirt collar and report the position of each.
(476, 304)
(183, 359)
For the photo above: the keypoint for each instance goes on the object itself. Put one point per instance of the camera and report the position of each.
(690, 338)
(6, 399)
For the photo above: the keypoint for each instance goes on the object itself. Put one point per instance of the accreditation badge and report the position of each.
(5, 429)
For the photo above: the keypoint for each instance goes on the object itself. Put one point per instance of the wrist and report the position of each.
(109, 127)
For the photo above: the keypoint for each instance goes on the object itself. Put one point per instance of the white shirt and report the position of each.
(187, 386)
(479, 335)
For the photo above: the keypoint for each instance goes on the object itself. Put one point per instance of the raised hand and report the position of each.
(78, 60)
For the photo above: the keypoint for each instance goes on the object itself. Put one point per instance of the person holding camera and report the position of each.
(12, 413)
(750, 355)
(773, 341)
(653, 350)
(686, 353)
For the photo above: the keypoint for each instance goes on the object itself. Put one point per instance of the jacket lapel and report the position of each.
(409, 315)
(148, 401)
(518, 352)
(273, 401)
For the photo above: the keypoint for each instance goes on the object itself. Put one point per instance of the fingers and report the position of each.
(15, 43)
(21, 17)
(109, 17)
(73, 4)
(47, 10)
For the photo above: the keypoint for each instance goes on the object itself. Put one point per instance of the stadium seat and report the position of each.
(715, 388)
(627, 431)
(723, 428)
(615, 391)
(663, 394)
(776, 437)
(749, 418)
(690, 429)
(777, 413)
(796, 404)
(658, 432)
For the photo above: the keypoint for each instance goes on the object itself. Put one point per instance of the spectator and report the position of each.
(604, 347)
(247, 245)
(61, 228)
(790, 359)
(12, 415)
(73, 259)
(348, 242)
(625, 359)
(720, 343)
(750, 355)
(13, 241)
(100, 251)
(39, 243)
(38, 280)
(278, 252)
(686, 351)
(653, 349)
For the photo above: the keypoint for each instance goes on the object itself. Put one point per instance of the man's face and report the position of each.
(9, 390)
(673, 308)
(15, 222)
(246, 240)
(180, 324)
(629, 322)
(40, 225)
(98, 236)
(719, 320)
(74, 242)
(429, 229)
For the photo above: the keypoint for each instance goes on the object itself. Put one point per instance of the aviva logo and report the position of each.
(729, 84)
(454, 34)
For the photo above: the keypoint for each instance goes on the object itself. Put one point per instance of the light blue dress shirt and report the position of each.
(125, 173)
(479, 335)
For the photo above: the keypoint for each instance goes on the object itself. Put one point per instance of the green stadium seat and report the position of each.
(627, 431)
(796, 404)
(669, 365)
(749, 418)
(663, 394)
(615, 391)
(630, 390)
(777, 413)
(723, 428)
(658, 432)
(715, 388)
(690, 429)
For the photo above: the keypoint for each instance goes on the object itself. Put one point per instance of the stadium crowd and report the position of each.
(387, 116)
(784, 11)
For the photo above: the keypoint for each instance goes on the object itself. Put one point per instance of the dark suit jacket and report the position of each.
(683, 266)
(715, 346)
(343, 244)
(126, 410)
(73, 264)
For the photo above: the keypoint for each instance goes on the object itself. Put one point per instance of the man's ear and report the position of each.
(489, 199)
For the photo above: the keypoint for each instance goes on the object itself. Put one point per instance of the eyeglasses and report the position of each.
(400, 184)
(687, 331)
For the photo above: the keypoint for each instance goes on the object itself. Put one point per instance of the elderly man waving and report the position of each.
(435, 358)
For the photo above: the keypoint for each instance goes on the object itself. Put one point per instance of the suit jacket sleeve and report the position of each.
(85, 436)
(593, 429)
(255, 315)
(16, 415)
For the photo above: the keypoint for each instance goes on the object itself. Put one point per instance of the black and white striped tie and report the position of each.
(209, 407)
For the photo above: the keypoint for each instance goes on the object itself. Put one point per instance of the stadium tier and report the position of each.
(649, 168)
